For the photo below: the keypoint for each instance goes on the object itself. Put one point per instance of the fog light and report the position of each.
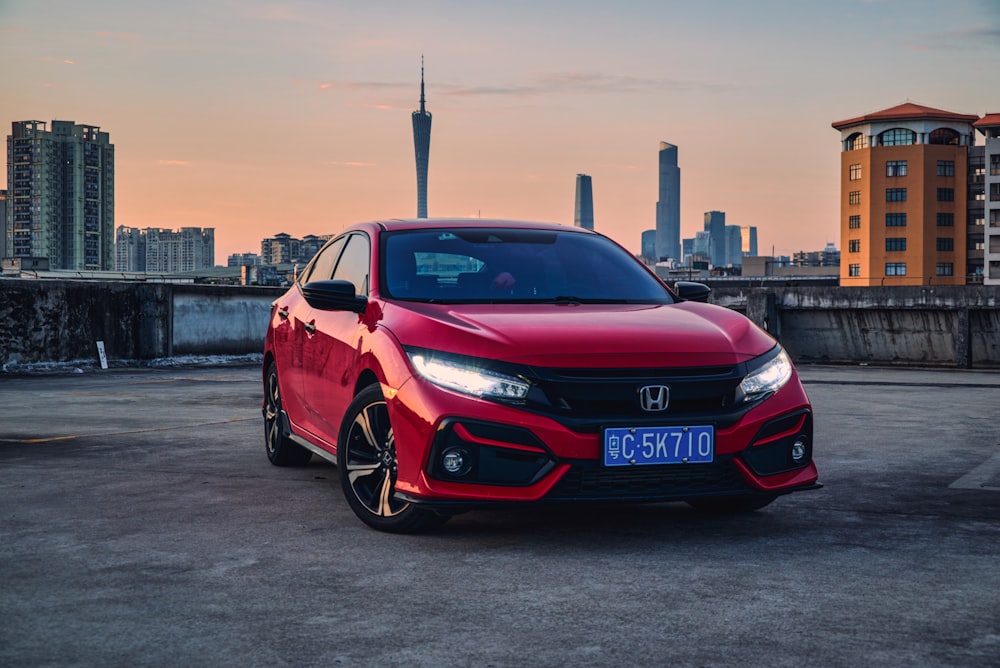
(455, 461)
(799, 449)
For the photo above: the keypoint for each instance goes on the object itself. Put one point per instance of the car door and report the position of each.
(332, 350)
(299, 320)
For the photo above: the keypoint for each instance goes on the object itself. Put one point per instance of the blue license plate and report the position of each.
(659, 445)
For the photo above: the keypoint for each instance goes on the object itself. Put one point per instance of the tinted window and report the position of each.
(509, 265)
(321, 268)
(353, 265)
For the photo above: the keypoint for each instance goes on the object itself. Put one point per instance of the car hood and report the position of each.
(581, 335)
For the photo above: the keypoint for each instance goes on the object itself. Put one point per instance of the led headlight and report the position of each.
(468, 379)
(768, 377)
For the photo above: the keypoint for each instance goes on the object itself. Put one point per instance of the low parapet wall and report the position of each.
(926, 326)
(59, 321)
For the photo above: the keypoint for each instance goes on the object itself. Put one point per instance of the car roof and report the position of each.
(471, 223)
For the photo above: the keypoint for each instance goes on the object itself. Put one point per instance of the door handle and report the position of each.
(311, 327)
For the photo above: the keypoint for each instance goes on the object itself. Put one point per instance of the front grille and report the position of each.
(587, 481)
(585, 399)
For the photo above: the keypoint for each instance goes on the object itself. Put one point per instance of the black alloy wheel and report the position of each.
(366, 460)
(281, 451)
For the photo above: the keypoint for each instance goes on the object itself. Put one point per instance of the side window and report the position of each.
(354, 263)
(321, 268)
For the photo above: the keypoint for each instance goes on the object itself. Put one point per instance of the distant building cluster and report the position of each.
(155, 250)
(920, 205)
(285, 249)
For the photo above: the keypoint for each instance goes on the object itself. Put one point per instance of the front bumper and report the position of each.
(515, 456)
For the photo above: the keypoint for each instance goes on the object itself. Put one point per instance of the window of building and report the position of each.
(944, 136)
(977, 194)
(945, 269)
(856, 142)
(854, 246)
(895, 243)
(946, 168)
(896, 194)
(945, 244)
(895, 269)
(895, 220)
(994, 218)
(855, 197)
(946, 194)
(855, 172)
(995, 165)
(946, 220)
(854, 222)
(854, 270)
(897, 137)
(895, 168)
(995, 192)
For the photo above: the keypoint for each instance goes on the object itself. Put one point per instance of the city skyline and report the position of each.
(294, 116)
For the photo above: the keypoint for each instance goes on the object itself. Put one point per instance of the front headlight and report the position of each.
(768, 378)
(468, 378)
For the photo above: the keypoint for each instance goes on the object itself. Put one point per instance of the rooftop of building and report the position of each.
(989, 120)
(908, 111)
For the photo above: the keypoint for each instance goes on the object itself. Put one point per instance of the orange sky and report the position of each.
(263, 117)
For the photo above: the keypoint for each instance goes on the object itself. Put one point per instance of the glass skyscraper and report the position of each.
(584, 214)
(668, 207)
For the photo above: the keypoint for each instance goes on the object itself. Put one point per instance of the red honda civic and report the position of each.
(450, 365)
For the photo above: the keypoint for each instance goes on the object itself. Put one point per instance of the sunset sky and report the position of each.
(263, 117)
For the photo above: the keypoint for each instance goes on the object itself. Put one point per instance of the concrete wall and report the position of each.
(931, 326)
(58, 321)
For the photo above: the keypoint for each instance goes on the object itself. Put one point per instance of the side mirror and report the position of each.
(334, 296)
(692, 292)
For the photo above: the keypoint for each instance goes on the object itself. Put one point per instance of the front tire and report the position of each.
(281, 451)
(366, 461)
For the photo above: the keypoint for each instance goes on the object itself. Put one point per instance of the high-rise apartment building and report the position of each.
(989, 126)
(3, 224)
(905, 201)
(583, 215)
(160, 251)
(61, 195)
(668, 206)
(422, 146)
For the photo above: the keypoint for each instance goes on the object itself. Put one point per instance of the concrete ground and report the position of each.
(141, 525)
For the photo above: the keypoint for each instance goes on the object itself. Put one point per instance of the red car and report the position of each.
(447, 365)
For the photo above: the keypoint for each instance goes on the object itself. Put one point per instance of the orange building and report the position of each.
(904, 197)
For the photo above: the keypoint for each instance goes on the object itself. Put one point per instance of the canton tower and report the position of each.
(422, 146)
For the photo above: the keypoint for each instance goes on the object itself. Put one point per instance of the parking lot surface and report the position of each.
(141, 524)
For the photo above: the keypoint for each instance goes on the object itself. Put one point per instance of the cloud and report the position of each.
(174, 163)
(62, 61)
(965, 39)
(276, 12)
(120, 36)
(350, 163)
(538, 86)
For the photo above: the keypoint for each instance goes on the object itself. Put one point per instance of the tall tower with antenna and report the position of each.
(422, 146)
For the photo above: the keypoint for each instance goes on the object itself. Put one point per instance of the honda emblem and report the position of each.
(654, 398)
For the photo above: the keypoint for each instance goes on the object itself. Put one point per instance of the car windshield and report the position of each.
(498, 265)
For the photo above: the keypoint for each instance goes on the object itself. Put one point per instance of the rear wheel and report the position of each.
(730, 505)
(281, 451)
(366, 460)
